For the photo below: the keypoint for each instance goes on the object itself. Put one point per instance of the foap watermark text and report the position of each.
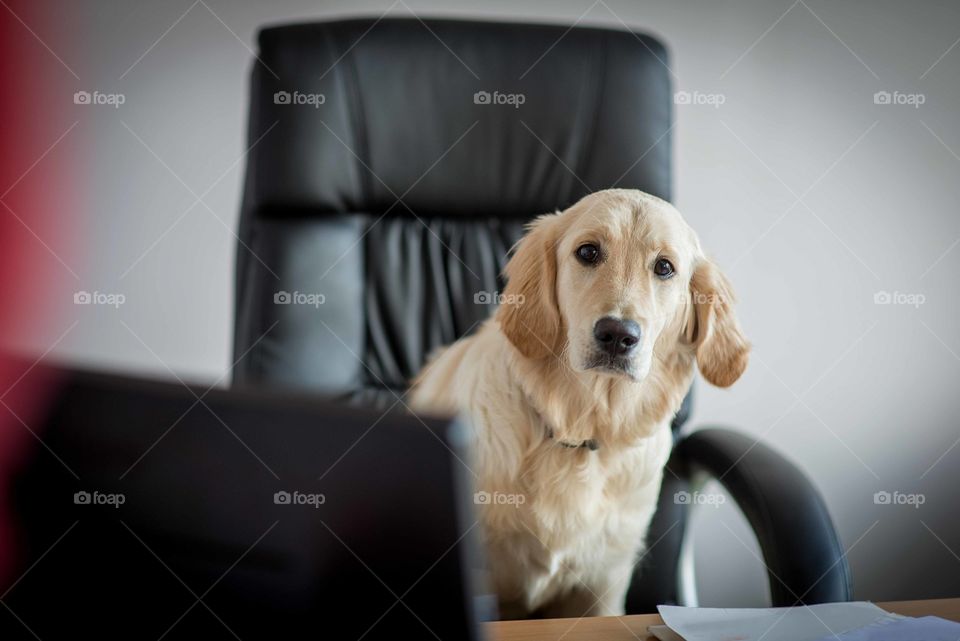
(496, 98)
(884, 297)
(296, 98)
(99, 498)
(899, 98)
(99, 98)
(499, 498)
(898, 498)
(699, 98)
(299, 498)
(496, 298)
(98, 298)
(298, 298)
(698, 498)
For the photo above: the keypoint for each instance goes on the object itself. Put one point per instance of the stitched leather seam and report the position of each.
(355, 115)
(358, 125)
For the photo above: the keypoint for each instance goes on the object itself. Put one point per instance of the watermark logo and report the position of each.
(98, 298)
(899, 498)
(884, 297)
(699, 98)
(497, 98)
(298, 298)
(713, 298)
(98, 98)
(899, 98)
(698, 498)
(296, 98)
(496, 298)
(499, 498)
(298, 498)
(99, 498)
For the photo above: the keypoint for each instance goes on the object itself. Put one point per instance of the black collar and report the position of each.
(591, 443)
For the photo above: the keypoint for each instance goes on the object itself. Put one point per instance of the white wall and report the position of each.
(862, 396)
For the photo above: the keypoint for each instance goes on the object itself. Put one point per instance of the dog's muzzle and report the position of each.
(614, 341)
(615, 336)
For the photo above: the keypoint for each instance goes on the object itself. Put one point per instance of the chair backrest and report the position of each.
(394, 162)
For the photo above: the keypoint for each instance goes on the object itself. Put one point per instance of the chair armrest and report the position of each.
(801, 550)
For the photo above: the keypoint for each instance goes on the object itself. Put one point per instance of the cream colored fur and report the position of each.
(524, 382)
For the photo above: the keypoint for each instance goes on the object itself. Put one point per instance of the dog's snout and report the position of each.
(616, 336)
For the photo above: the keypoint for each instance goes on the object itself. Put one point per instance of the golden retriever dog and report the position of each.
(570, 389)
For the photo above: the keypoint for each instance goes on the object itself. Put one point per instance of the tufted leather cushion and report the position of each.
(397, 195)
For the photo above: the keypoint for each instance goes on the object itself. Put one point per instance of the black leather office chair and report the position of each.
(394, 162)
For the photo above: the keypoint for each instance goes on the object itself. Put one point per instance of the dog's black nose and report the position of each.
(615, 336)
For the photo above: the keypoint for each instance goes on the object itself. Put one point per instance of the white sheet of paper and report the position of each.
(803, 623)
(906, 629)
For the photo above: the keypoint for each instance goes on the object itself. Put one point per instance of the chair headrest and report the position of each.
(453, 118)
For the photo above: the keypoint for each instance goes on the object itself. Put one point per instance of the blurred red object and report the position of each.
(37, 206)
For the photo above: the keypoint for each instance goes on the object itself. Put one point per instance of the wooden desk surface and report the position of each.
(634, 627)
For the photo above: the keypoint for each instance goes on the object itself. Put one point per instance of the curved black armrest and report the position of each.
(801, 549)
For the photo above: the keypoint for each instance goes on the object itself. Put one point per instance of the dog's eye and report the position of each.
(588, 254)
(663, 268)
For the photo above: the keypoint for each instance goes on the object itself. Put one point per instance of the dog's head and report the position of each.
(614, 282)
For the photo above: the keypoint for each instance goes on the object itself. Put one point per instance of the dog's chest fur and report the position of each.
(584, 515)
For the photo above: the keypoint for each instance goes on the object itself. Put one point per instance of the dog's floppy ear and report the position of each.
(712, 326)
(529, 315)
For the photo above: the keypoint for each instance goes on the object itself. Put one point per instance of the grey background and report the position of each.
(810, 195)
